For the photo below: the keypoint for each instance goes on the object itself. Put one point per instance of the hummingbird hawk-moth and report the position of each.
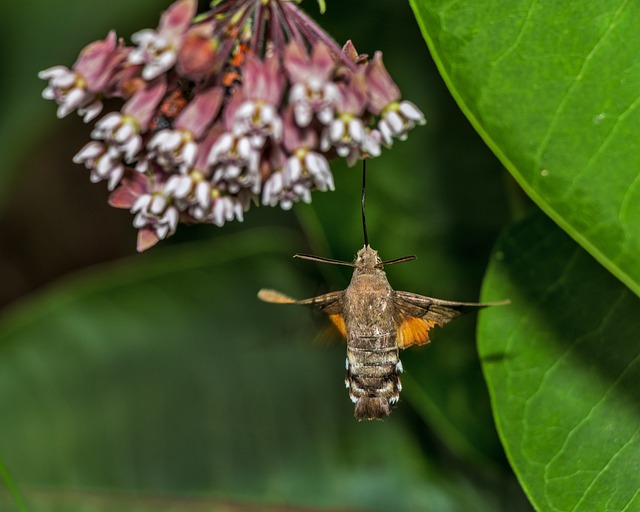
(376, 321)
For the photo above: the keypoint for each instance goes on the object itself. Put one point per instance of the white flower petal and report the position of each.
(116, 176)
(91, 111)
(385, 131)
(356, 130)
(72, 101)
(172, 185)
(123, 132)
(316, 163)
(94, 177)
(232, 171)
(244, 148)
(306, 196)
(257, 140)
(237, 210)
(395, 122)
(184, 187)
(277, 129)
(131, 148)
(411, 112)
(336, 130)
(171, 217)
(162, 230)
(142, 166)
(189, 154)
(203, 194)
(371, 143)
(65, 80)
(52, 72)
(141, 203)
(246, 110)
(222, 145)
(303, 114)
(158, 204)
(109, 122)
(152, 70)
(166, 59)
(325, 115)
(343, 151)
(89, 152)
(104, 166)
(171, 140)
(268, 114)
(140, 221)
(49, 93)
(292, 170)
(143, 36)
(331, 92)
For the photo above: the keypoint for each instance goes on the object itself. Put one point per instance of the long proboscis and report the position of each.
(322, 259)
(364, 190)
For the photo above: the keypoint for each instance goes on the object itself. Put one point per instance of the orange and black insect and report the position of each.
(233, 75)
(376, 321)
(169, 109)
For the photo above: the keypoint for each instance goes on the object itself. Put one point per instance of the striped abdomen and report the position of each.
(373, 375)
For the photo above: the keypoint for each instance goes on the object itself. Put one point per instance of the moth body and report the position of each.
(372, 348)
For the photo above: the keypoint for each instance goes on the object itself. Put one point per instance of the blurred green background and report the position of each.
(159, 381)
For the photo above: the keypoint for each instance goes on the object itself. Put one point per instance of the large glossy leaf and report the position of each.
(563, 365)
(553, 88)
(165, 375)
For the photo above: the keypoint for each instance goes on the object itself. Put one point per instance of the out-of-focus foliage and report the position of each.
(160, 381)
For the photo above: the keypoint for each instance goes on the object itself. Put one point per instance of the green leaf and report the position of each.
(166, 375)
(553, 88)
(563, 364)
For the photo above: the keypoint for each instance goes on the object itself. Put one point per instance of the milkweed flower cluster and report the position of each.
(245, 103)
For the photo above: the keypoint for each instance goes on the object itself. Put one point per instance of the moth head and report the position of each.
(368, 258)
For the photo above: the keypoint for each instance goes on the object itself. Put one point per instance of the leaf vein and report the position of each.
(608, 464)
(567, 94)
(516, 42)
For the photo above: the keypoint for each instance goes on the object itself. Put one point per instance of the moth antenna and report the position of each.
(397, 260)
(322, 259)
(364, 188)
